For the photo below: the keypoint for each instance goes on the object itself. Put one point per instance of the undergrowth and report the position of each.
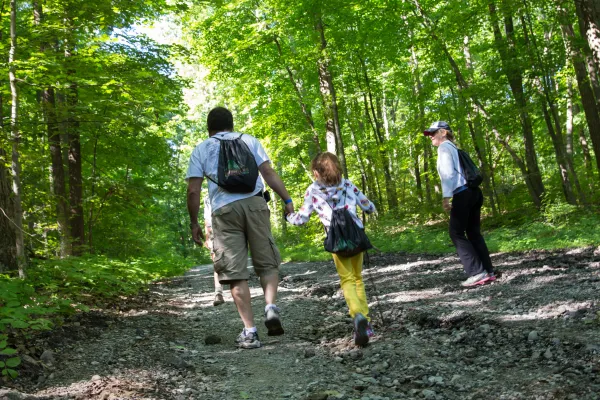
(55, 289)
(558, 226)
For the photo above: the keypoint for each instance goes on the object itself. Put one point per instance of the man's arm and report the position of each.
(193, 205)
(275, 183)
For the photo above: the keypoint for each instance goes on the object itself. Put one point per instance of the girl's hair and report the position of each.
(329, 168)
(449, 135)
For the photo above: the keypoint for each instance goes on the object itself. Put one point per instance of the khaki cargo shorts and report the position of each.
(237, 226)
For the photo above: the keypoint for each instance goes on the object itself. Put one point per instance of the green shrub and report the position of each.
(557, 226)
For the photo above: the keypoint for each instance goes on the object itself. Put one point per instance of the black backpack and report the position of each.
(345, 238)
(237, 171)
(471, 172)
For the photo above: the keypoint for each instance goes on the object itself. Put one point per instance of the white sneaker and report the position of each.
(248, 340)
(479, 279)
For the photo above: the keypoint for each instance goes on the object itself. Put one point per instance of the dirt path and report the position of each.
(533, 334)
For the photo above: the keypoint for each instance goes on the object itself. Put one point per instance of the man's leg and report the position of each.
(218, 286)
(241, 295)
(269, 284)
(218, 292)
(266, 260)
(240, 291)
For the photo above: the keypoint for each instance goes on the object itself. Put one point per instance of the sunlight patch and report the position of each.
(413, 295)
(406, 267)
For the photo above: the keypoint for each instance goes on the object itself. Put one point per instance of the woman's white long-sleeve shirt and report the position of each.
(321, 199)
(449, 169)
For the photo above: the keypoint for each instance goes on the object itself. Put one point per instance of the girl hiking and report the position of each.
(330, 191)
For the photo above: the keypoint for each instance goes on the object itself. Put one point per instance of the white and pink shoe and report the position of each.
(475, 280)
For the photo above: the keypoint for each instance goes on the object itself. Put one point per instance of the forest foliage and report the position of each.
(97, 121)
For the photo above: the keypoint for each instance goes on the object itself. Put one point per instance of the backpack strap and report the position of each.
(218, 140)
(458, 154)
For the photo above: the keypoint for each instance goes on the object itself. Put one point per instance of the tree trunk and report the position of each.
(418, 92)
(370, 109)
(486, 169)
(335, 143)
(547, 95)
(560, 156)
(426, 172)
(8, 239)
(588, 14)
(569, 121)
(93, 194)
(583, 83)
(370, 161)
(305, 109)
(511, 68)
(585, 150)
(426, 146)
(48, 104)
(370, 192)
(58, 173)
(16, 139)
(75, 176)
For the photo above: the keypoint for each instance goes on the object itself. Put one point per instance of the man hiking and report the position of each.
(240, 216)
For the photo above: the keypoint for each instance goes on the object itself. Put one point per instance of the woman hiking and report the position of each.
(465, 208)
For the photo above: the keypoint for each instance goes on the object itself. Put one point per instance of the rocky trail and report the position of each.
(532, 334)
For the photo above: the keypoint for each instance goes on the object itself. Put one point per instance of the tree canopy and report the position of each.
(98, 119)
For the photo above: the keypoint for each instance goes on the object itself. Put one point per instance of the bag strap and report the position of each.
(458, 154)
(220, 140)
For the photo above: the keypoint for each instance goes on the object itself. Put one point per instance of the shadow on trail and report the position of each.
(532, 333)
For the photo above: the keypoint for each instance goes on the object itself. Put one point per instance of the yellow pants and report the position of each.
(350, 272)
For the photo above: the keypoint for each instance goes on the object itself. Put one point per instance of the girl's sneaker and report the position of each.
(370, 330)
(361, 337)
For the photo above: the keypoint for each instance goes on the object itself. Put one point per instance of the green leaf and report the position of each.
(244, 395)
(13, 374)
(13, 362)
(18, 324)
(8, 352)
(2, 364)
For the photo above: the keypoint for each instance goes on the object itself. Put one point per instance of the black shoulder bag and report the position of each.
(344, 237)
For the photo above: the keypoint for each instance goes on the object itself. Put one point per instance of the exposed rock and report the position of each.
(212, 339)
(47, 357)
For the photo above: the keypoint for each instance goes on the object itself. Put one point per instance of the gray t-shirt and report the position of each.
(204, 161)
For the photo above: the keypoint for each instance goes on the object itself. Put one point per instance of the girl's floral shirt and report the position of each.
(321, 199)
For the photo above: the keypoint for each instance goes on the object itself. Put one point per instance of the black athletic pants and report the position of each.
(465, 218)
